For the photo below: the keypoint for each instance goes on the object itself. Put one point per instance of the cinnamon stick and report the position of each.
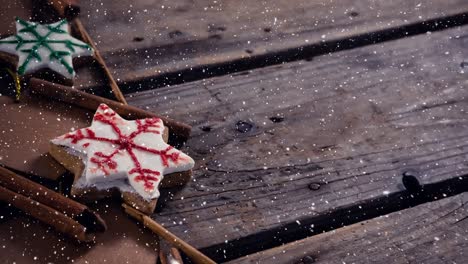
(80, 29)
(176, 255)
(178, 131)
(65, 8)
(171, 257)
(46, 215)
(68, 9)
(192, 252)
(64, 214)
(44, 195)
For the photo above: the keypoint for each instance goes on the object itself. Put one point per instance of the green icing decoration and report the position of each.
(44, 41)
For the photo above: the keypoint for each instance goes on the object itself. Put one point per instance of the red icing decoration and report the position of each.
(125, 143)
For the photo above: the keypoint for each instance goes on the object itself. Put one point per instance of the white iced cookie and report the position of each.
(124, 154)
(44, 46)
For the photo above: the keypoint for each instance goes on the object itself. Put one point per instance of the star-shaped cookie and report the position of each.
(44, 46)
(117, 153)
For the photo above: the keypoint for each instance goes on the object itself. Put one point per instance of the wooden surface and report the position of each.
(148, 43)
(431, 233)
(292, 142)
(318, 110)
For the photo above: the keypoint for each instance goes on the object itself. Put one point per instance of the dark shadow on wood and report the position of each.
(294, 54)
(337, 218)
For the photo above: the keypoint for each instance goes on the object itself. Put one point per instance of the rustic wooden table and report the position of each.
(308, 116)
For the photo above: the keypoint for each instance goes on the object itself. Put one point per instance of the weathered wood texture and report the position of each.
(293, 141)
(435, 232)
(157, 41)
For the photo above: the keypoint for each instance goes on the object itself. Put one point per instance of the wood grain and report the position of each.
(158, 41)
(291, 142)
(430, 233)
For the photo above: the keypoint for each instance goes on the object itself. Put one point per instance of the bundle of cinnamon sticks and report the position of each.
(67, 216)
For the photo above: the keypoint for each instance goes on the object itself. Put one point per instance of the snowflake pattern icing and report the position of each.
(44, 46)
(114, 149)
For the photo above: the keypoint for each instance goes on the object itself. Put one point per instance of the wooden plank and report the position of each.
(163, 41)
(435, 232)
(293, 141)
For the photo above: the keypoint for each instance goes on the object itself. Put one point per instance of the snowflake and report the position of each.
(116, 148)
(44, 46)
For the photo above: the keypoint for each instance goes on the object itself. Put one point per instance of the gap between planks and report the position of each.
(159, 62)
(434, 232)
(306, 52)
(335, 219)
